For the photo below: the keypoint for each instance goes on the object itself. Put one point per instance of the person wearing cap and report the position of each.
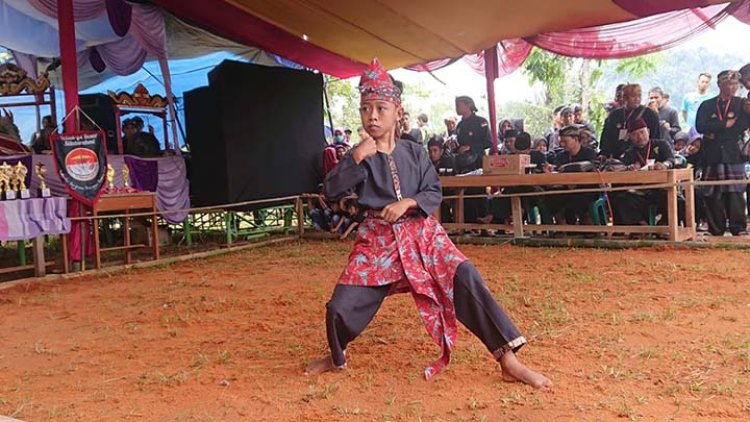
(723, 123)
(614, 138)
(473, 137)
(632, 208)
(400, 247)
(570, 208)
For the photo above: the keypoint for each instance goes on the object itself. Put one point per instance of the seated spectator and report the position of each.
(40, 141)
(541, 145)
(523, 146)
(633, 207)
(145, 145)
(330, 159)
(444, 165)
(588, 139)
(509, 142)
(571, 208)
(129, 130)
(441, 159)
(341, 150)
(680, 141)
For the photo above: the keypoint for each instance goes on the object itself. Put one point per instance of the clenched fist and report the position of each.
(365, 149)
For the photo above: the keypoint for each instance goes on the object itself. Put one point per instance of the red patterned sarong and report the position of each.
(414, 254)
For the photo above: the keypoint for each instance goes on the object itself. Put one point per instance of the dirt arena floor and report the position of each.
(648, 334)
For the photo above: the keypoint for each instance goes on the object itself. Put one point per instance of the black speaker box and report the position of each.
(255, 132)
(101, 109)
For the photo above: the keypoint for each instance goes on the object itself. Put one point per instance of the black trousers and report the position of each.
(351, 308)
(719, 208)
(475, 208)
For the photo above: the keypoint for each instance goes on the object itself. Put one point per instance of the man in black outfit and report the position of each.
(632, 208)
(570, 207)
(473, 136)
(723, 123)
(614, 140)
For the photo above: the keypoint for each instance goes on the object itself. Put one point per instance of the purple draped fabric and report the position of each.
(144, 175)
(172, 189)
(26, 62)
(638, 37)
(628, 39)
(83, 10)
(120, 15)
(650, 7)
(96, 60)
(25, 219)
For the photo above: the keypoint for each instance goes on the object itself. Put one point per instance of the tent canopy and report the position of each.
(338, 36)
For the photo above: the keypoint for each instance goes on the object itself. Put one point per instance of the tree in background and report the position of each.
(567, 81)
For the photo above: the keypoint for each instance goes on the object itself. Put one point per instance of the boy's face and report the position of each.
(435, 153)
(379, 117)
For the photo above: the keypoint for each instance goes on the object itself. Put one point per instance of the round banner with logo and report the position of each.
(81, 162)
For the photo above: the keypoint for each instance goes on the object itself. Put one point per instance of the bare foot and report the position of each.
(515, 371)
(318, 366)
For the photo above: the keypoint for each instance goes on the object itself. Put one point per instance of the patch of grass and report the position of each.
(41, 349)
(224, 356)
(324, 393)
(642, 316)
(512, 398)
(200, 360)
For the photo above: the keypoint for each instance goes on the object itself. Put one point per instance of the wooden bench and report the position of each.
(624, 178)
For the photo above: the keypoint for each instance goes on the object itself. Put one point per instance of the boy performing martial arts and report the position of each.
(400, 247)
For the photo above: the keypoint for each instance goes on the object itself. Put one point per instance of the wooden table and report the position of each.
(625, 178)
(125, 203)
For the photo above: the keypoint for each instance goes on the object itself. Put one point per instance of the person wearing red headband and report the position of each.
(401, 248)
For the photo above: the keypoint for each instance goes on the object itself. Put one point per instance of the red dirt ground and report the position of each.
(649, 334)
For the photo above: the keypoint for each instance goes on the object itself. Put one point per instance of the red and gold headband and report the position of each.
(377, 84)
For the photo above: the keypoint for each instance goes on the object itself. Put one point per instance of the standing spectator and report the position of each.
(348, 136)
(583, 123)
(422, 120)
(669, 121)
(553, 140)
(723, 123)
(693, 100)
(473, 139)
(414, 133)
(614, 139)
(449, 136)
(338, 136)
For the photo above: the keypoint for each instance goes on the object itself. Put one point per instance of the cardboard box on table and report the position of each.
(505, 164)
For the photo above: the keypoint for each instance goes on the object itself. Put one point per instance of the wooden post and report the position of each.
(690, 207)
(672, 215)
(40, 265)
(517, 212)
(300, 216)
